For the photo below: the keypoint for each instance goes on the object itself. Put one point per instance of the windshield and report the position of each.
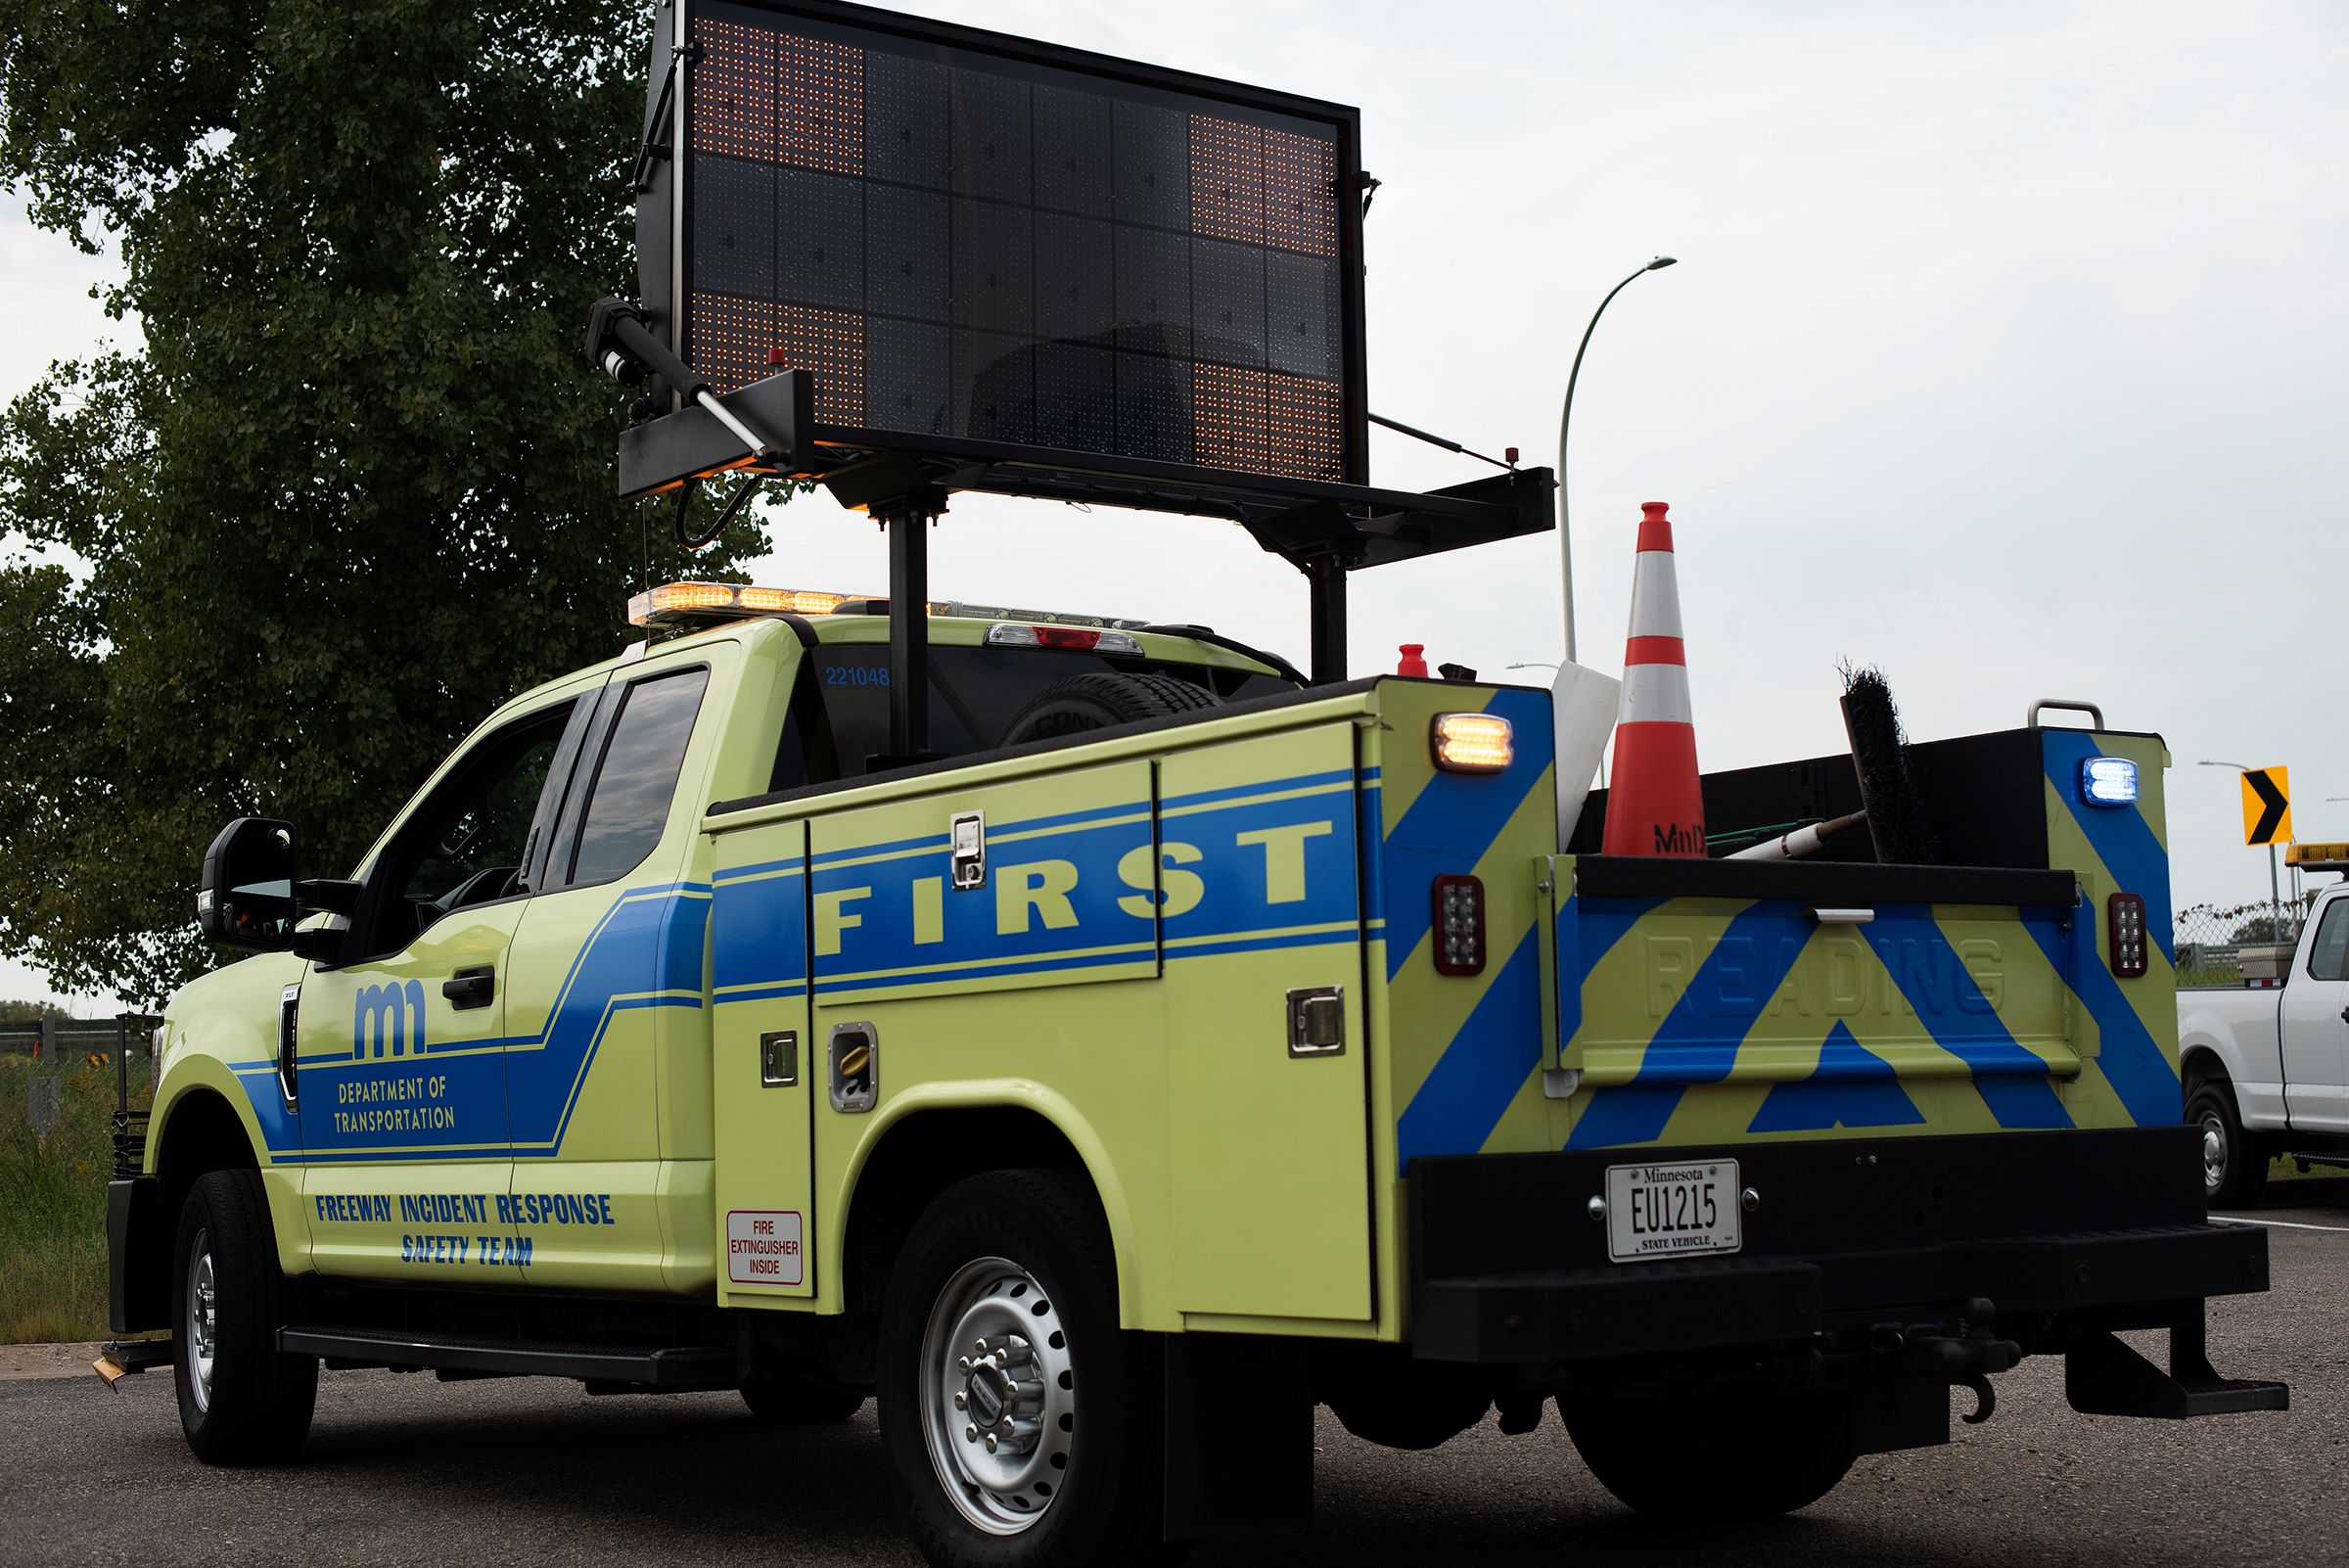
(840, 713)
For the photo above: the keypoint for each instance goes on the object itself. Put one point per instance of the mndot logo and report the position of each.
(388, 1019)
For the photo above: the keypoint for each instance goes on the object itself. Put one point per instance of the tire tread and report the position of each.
(260, 1414)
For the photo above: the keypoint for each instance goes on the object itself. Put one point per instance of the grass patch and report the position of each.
(53, 1203)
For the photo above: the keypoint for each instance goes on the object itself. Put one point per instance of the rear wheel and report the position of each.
(240, 1400)
(1022, 1425)
(2235, 1167)
(1723, 1455)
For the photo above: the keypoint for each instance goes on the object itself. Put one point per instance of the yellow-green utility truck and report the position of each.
(1181, 1048)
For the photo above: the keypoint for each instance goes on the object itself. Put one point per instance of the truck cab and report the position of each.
(2266, 1062)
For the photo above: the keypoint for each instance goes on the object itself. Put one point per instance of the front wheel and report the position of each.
(240, 1400)
(1022, 1425)
(2234, 1168)
(1724, 1453)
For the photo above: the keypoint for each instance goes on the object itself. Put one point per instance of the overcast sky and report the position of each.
(2007, 351)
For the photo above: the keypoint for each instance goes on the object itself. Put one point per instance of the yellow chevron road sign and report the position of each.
(2267, 806)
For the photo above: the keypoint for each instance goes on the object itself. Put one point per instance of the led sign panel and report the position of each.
(980, 246)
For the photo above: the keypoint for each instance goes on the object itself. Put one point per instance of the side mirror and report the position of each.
(246, 898)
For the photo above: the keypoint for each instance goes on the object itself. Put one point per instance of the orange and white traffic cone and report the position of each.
(1654, 805)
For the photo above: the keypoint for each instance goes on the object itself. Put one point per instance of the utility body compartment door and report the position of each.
(1269, 1142)
(766, 1070)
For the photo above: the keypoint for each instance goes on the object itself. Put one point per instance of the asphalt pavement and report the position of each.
(402, 1469)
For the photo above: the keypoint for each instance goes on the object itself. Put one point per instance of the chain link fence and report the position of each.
(49, 1050)
(2211, 938)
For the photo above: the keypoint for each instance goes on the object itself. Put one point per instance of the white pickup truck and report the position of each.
(2266, 1068)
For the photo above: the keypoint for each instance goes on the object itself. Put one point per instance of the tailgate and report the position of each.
(1706, 1001)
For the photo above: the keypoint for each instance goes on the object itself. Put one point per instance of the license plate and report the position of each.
(1672, 1211)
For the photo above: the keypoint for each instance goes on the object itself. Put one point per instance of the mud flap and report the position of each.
(138, 1293)
(1239, 1436)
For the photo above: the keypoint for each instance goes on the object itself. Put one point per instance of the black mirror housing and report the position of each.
(246, 895)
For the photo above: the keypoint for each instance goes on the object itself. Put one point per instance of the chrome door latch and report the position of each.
(967, 836)
(779, 1058)
(1318, 1021)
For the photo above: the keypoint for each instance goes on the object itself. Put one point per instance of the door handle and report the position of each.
(2345, 1015)
(471, 988)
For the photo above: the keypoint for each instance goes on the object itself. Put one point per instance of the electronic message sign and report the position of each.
(985, 247)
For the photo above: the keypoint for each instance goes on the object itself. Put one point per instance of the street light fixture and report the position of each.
(2275, 886)
(1565, 414)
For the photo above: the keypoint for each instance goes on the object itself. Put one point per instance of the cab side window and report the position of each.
(627, 805)
(465, 845)
(2329, 955)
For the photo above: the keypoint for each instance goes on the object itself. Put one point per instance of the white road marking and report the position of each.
(2288, 1224)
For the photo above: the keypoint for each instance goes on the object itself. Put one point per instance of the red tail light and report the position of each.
(1459, 925)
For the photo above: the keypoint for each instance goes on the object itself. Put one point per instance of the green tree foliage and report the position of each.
(358, 486)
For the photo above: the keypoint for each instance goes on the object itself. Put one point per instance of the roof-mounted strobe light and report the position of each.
(2107, 781)
(678, 604)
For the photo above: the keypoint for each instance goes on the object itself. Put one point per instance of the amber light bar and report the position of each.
(678, 604)
(681, 602)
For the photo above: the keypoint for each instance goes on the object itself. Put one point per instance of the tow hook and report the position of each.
(1965, 1354)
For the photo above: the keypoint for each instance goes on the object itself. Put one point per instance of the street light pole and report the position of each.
(2275, 886)
(1565, 414)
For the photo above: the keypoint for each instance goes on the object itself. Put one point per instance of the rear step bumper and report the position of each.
(1653, 1309)
(667, 1369)
(2070, 1234)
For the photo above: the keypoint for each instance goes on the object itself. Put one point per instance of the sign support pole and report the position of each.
(1327, 574)
(908, 518)
(2274, 893)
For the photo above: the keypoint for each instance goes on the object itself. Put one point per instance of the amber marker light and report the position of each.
(1472, 743)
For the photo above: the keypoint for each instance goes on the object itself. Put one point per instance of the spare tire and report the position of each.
(1096, 701)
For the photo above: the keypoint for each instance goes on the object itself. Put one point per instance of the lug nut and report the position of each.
(990, 1443)
(970, 1434)
(961, 1402)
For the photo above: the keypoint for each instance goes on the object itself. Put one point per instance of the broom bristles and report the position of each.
(1896, 815)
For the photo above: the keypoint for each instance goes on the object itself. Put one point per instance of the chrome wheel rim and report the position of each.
(203, 1321)
(998, 1396)
(2213, 1155)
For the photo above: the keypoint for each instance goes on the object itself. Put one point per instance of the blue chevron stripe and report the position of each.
(2127, 1054)
(1473, 1082)
(2120, 835)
